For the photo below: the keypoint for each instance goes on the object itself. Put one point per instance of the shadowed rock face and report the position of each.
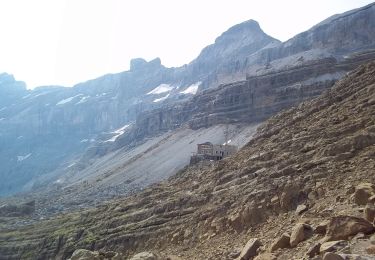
(12, 210)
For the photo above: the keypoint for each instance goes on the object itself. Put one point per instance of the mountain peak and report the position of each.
(249, 24)
(5, 77)
(7, 81)
(140, 64)
(249, 27)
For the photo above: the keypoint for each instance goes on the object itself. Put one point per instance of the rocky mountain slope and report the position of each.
(53, 126)
(127, 171)
(305, 166)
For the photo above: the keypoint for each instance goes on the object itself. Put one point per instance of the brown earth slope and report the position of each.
(312, 155)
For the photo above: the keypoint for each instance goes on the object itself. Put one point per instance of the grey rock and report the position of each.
(250, 249)
(83, 254)
(342, 227)
(333, 246)
(332, 256)
(313, 250)
(281, 242)
(144, 256)
(300, 233)
(301, 209)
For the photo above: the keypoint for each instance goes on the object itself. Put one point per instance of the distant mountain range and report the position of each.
(243, 78)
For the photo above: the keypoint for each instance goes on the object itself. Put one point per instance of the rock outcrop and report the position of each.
(342, 227)
(13, 210)
(250, 249)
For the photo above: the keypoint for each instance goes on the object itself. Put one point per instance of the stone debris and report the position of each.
(342, 227)
(370, 212)
(83, 254)
(281, 242)
(144, 256)
(332, 256)
(313, 250)
(333, 246)
(250, 249)
(300, 233)
(301, 209)
(363, 192)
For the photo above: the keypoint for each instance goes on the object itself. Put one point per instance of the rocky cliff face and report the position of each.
(303, 169)
(51, 125)
(225, 57)
(249, 101)
(10, 89)
(337, 36)
(279, 75)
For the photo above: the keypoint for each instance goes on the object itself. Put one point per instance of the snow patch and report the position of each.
(192, 89)
(21, 158)
(161, 99)
(117, 133)
(84, 140)
(71, 165)
(40, 94)
(228, 142)
(83, 100)
(2, 109)
(162, 88)
(24, 97)
(67, 100)
(3, 118)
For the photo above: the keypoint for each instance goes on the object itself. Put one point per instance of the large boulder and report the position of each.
(281, 242)
(249, 216)
(144, 256)
(321, 228)
(250, 249)
(289, 197)
(371, 249)
(83, 254)
(370, 212)
(333, 246)
(301, 209)
(313, 250)
(342, 227)
(332, 256)
(300, 233)
(363, 192)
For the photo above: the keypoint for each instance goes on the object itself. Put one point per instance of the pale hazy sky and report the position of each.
(63, 42)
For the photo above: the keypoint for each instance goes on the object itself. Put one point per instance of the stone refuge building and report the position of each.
(214, 152)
